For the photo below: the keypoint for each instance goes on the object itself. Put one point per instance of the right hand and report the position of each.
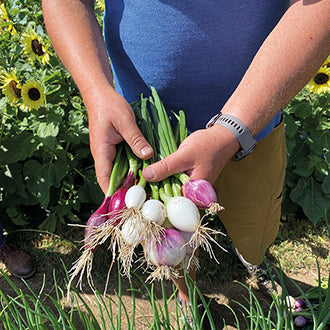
(111, 120)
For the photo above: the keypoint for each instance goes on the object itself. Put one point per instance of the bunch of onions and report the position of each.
(165, 216)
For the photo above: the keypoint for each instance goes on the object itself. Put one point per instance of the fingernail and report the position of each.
(148, 173)
(146, 151)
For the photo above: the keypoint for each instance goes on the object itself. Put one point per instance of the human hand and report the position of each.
(111, 120)
(202, 155)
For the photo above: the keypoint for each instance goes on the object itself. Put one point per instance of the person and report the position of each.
(18, 262)
(245, 58)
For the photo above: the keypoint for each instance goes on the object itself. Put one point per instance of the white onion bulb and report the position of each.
(154, 210)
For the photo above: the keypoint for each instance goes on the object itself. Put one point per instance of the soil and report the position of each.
(223, 287)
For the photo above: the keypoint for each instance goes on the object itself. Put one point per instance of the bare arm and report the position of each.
(288, 58)
(78, 41)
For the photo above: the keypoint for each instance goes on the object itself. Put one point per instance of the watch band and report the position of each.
(241, 132)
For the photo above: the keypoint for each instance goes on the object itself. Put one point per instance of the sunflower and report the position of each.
(320, 83)
(4, 19)
(35, 47)
(10, 86)
(33, 95)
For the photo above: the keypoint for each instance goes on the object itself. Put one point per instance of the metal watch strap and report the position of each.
(241, 132)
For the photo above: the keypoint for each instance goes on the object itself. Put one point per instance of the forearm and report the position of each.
(288, 58)
(78, 41)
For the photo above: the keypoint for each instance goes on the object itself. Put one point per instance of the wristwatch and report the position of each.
(241, 132)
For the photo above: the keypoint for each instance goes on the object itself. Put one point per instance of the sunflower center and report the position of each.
(321, 78)
(14, 89)
(37, 47)
(34, 94)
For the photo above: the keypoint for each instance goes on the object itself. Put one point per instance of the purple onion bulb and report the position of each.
(99, 217)
(200, 192)
(300, 303)
(300, 321)
(170, 252)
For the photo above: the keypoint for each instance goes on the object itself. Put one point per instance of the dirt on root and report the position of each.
(223, 283)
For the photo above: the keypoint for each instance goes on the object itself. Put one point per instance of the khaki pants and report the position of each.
(250, 190)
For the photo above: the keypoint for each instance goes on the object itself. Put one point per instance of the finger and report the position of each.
(170, 165)
(104, 154)
(103, 167)
(135, 139)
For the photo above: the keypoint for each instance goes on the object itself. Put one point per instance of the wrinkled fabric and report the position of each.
(193, 52)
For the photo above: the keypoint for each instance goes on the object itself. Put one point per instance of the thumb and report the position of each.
(135, 139)
(170, 165)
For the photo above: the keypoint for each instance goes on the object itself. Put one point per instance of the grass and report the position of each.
(300, 249)
(299, 244)
(30, 311)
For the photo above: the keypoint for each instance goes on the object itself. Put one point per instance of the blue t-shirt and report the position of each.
(193, 52)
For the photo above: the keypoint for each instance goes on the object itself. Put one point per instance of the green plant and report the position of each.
(307, 183)
(45, 161)
(316, 301)
(283, 310)
(43, 311)
(38, 310)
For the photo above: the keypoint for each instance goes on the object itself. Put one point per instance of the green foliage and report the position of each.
(39, 310)
(45, 159)
(307, 184)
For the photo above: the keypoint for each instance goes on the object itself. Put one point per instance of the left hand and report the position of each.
(202, 155)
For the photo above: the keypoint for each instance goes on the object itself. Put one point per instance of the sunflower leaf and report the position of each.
(47, 133)
(309, 195)
(40, 179)
(303, 110)
(11, 153)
